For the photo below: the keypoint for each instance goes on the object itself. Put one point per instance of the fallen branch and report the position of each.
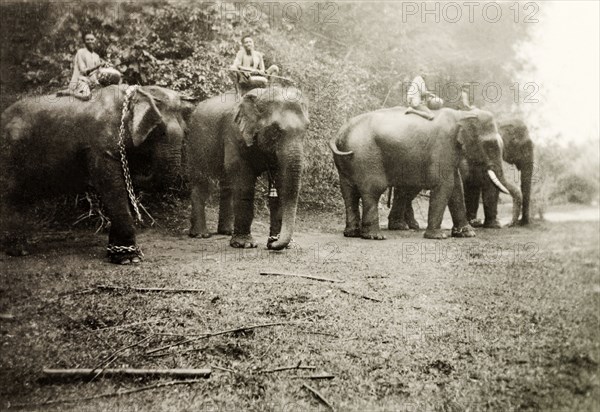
(110, 394)
(224, 369)
(301, 276)
(287, 368)
(311, 332)
(141, 289)
(86, 373)
(359, 295)
(318, 396)
(112, 357)
(314, 377)
(208, 335)
(128, 325)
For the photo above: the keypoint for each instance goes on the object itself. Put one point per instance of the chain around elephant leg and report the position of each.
(124, 255)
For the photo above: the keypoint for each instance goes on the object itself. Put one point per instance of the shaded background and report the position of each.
(534, 61)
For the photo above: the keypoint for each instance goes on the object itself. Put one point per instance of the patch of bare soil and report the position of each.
(504, 321)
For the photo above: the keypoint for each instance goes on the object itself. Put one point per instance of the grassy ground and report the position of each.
(505, 321)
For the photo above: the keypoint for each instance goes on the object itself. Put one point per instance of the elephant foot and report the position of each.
(224, 231)
(465, 231)
(476, 222)
(204, 235)
(493, 224)
(397, 225)
(372, 236)
(435, 234)
(124, 255)
(243, 241)
(413, 224)
(272, 239)
(352, 232)
(524, 222)
(126, 261)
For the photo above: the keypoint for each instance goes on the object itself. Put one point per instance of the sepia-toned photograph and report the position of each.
(299, 205)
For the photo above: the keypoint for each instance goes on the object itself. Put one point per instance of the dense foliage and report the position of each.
(347, 58)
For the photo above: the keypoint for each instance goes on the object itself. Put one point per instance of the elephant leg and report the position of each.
(226, 216)
(456, 204)
(402, 216)
(108, 181)
(396, 219)
(243, 206)
(275, 216)
(526, 176)
(370, 217)
(438, 200)
(409, 212)
(472, 194)
(490, 196)
(199, 195)
(351, 197)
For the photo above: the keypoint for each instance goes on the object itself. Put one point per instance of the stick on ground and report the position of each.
(112, 357)
(301, 276)
(318, 396)
(315, 377)
(86, 373)
(208, 335)
(143, 289)
(359, 295)
(287, 368)
(109, 394)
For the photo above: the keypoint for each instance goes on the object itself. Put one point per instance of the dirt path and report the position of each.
(507, 320)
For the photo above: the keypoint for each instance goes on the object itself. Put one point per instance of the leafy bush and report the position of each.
(576, 188)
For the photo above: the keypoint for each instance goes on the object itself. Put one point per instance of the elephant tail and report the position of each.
(335, 150)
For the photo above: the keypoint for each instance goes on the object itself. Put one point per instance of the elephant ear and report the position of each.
(146, 116)
(247, 116)
(467, 128)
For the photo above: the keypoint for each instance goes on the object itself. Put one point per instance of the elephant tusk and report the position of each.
(495, 180)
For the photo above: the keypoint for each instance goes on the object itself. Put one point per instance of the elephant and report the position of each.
(517, 150)
(235, 140)
(388, 147)
(60, 145)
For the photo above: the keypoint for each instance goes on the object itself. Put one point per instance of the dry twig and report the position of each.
(144, 289)
(110, 394)
(317, 376)
(301, 276)
(84, 373)
(111, 358)
(318, 396)
(287, 368)
(359, 295)
(208, 335)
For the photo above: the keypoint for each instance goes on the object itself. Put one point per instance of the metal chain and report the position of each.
(122, 133)
(114, 250)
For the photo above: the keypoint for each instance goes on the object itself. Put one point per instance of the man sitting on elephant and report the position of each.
(249, 68)
(465, 100)
(88, 71)
(420, 100)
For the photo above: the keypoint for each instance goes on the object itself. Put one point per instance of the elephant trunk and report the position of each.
(290, 162)
(526, 176)
(167, 166)
(505, 186)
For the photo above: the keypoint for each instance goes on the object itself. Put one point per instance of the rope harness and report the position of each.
(122, 133)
